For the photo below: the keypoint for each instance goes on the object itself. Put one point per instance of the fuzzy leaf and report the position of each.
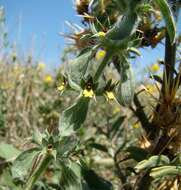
(137, 153)
(99, 147)
(8, 152)
(71, 177)
(77, 69)
(73, 117)
(23, 163)
(124, 27)
(94, 181)
(152, 162)
(116, 126)
(168, 17)
(165, 171)
(7, 181)
(126, 87)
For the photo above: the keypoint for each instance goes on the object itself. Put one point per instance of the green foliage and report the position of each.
(93, 132)
(70, 119)
(168, 17)
(126, 87)
(8, 152)
(153, 161)
(23, 163)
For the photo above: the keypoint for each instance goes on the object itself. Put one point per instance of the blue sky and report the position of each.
(35, 25)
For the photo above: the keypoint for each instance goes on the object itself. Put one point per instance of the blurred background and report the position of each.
(36, 25)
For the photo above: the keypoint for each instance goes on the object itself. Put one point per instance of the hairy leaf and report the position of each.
(168, 17)
(164, 171)
(152, 162)
(8, 152)
(124, 27)
(126, 87)
(23, 163)
(73, 117)
(77, 69)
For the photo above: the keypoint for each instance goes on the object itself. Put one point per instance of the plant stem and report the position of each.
(38, 172)
(102, 65)
(170, 54)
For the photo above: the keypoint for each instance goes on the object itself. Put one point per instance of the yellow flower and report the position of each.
(61, 87)
(155, 67)
(100, 54)
(41, 66)
(48, 79)
(109, 95)
(101, 34)
(116, 110)
(88, 93)
(136, 125)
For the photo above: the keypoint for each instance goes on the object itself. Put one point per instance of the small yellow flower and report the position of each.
(88, 93)
(155, 67)
(61, 87)
(41, 66)
(100, 54)
(109, 95)
(101, 34)
(136, 125)
(116, 110)
(48, 79)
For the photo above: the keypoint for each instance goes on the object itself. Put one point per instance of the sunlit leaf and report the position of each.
(152, 162)
(77, 69)
(168, 17)
(165, 171)
(126, 87)
(8, 152)
(73, 117)
(23, 163)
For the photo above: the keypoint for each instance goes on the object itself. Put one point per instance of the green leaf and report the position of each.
(77, 69)
(94, 181)
(99, 147)
(152, 162)
(116, 126)
(126, 87)
(73, 117)
(7, 181)
(8, 152)
(124, 27)
(23, 163)
(71, 177)
(67, 144)
(137, 153)
(165, 171)
(37, 137)
(168, 17)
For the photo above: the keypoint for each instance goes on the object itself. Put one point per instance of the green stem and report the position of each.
(102, 65)
(38, 172)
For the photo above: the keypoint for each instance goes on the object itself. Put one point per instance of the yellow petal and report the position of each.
(101, 34)
(155, 67)
(48, 79)
(61, 87)
(109, 95)
(88, 93)
(136, 125)
(100, 54)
